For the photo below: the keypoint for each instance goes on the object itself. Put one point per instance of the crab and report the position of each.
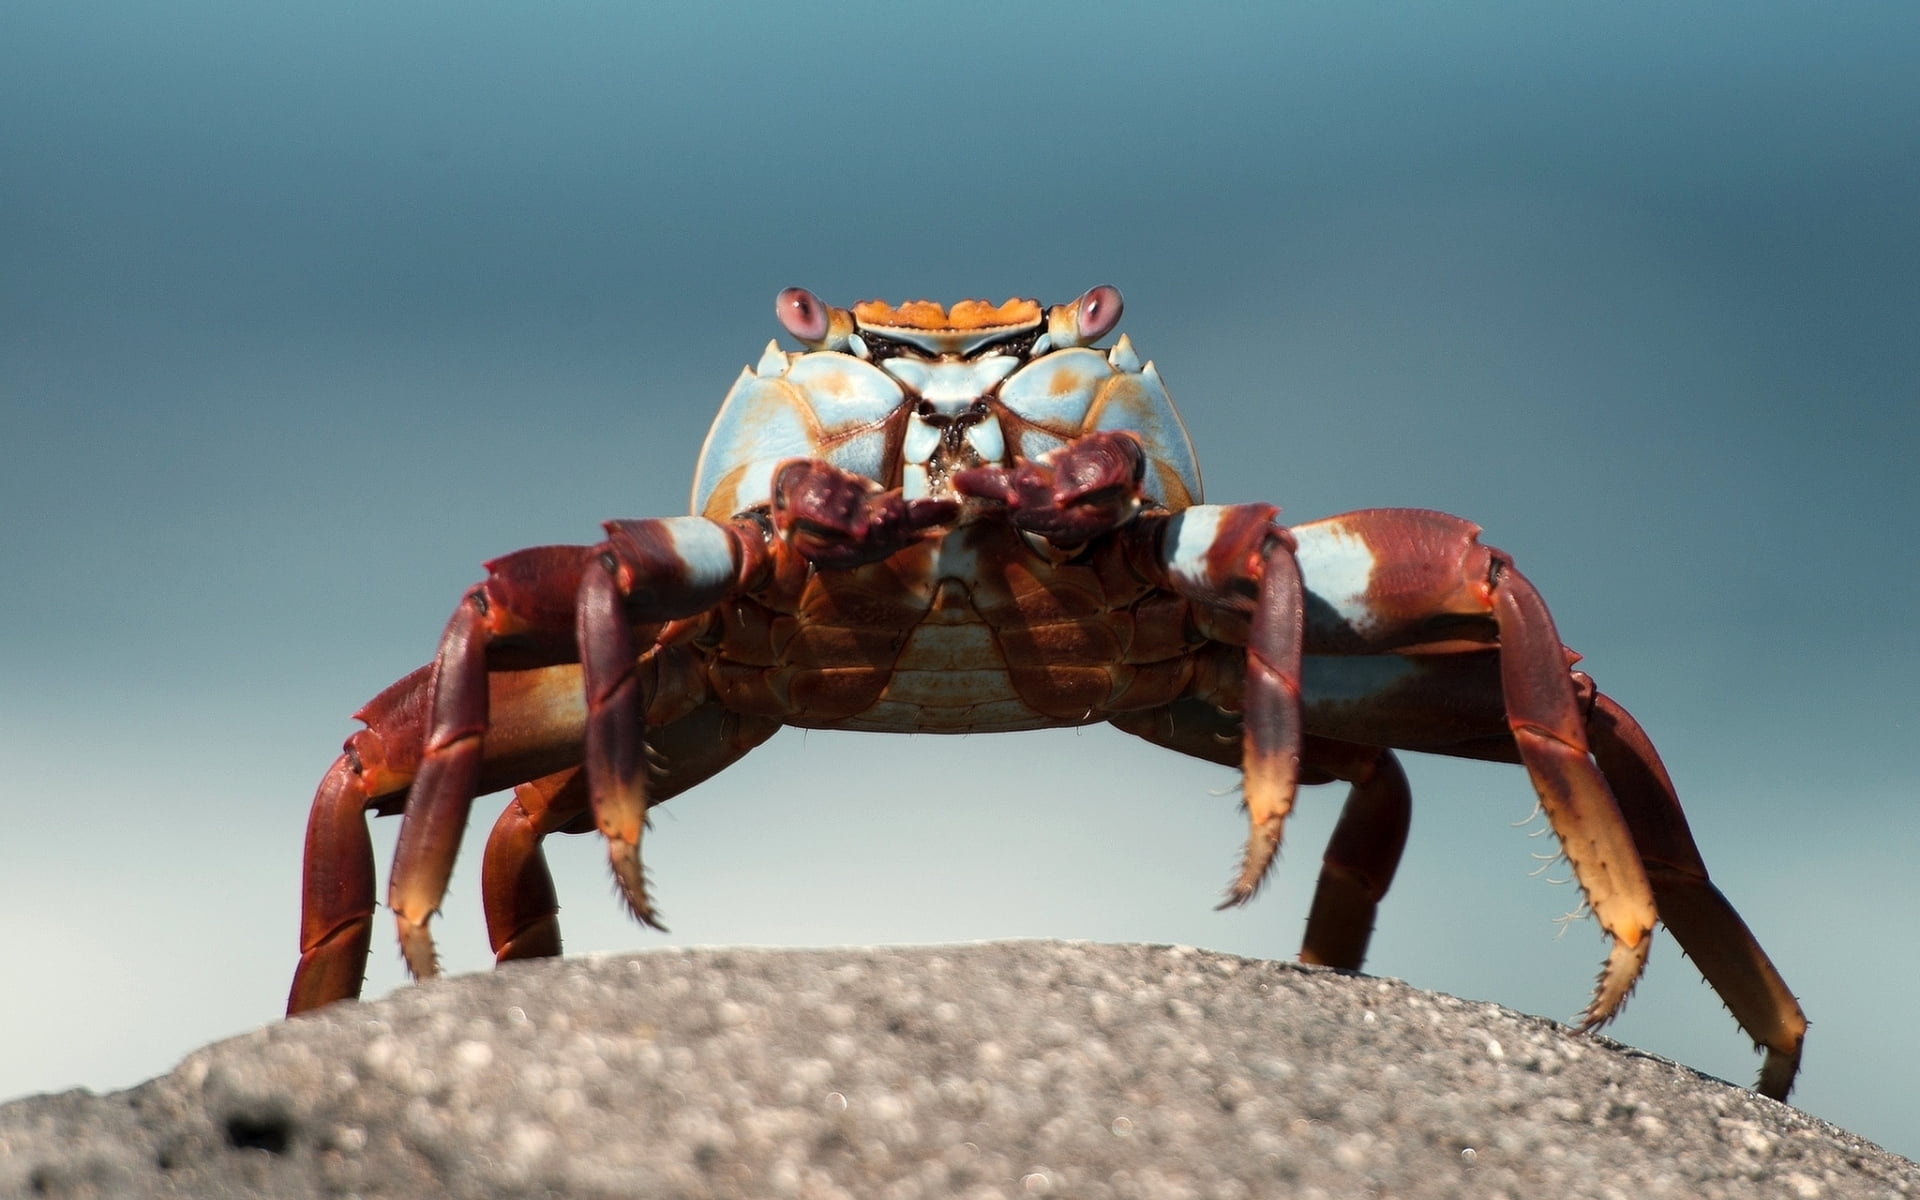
(970, 519)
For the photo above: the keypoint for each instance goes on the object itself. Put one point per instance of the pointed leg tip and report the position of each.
(1263, 847)
(640, 904)
(1777, 1074)
(1236, 897)
(642, 910)
(301, 1000)
(1618, 976)
(631, 880)
(423, 962)
(1246, 885)
(416, 948)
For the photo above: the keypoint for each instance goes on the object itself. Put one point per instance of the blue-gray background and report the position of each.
(303, 316)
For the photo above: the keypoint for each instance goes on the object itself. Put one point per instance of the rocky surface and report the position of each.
(998, 1070)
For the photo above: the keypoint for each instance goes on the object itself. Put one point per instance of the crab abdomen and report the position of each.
(970, 633)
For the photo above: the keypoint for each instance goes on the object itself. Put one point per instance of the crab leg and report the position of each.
(1223, 558)
(664, 570)
(1270, 761)
(546, 602)
(1235, 560)
(1231, 558)
(1364, 852)
(336, 911)
(336, 893)
(619, 693)
(517, 888)
(525, 607)
(1361, 856)
(1706, 926)
(1551, 736)
(1420, 584)
(515, 885)
(444, 786)
(519, 607)
(536, 729)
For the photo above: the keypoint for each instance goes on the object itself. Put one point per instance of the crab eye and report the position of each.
(1097, 312)
(803, 315)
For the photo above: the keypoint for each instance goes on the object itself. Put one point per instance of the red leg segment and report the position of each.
(667, 570)
(522, 908)
(336, 912)
(1362, 855)
(337, 892)
(1706, 926)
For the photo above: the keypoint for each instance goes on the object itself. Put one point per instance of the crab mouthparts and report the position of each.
(950, 428)
(938, 446)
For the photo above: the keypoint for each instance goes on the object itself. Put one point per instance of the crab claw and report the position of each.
(1079, 491)
(837, 519)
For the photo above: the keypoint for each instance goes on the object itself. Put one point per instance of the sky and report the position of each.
(305, 314)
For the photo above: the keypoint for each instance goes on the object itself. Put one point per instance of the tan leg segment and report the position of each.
(1706, 926)
(1362, 855)
(1543, 712)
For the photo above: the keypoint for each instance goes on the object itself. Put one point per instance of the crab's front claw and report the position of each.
(838, 519)
(1083, 489)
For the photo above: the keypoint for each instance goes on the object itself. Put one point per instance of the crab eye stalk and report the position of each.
(802, 314)
(1087, 319)
(1097, 312)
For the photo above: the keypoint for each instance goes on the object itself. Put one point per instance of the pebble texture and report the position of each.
(981, 1071)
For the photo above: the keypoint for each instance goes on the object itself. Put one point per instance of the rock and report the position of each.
(997, 1070)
